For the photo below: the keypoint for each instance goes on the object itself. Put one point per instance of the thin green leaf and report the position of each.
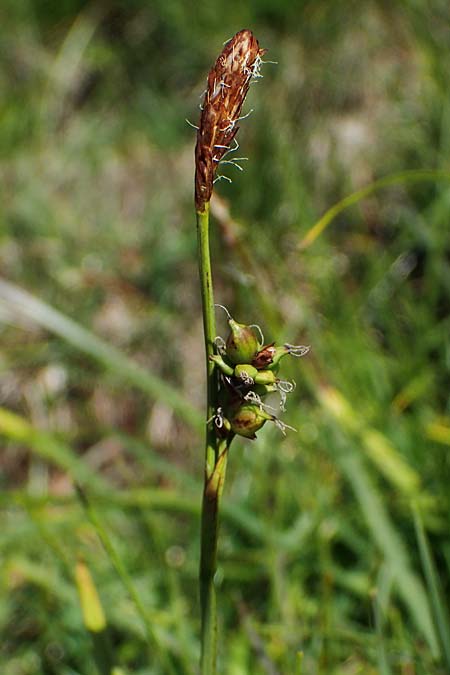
(49, 448)
(21, 304)
(402, 178)
(122, 572)
(438, 604)
(390, 544)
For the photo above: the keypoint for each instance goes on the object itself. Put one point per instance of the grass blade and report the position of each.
(22, 304)
(377, 447)
(49, 448)
(389, 542)
(94, 618)
(122, 572)
(438, 604)
(402, 178)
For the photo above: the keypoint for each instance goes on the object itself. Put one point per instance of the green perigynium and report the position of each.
(241, 344)
(247, 418)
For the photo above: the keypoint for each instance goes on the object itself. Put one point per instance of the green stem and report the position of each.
(216, 454)
(208, 561)
(209, 329)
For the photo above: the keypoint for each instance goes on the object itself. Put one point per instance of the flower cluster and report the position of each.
(248, 373)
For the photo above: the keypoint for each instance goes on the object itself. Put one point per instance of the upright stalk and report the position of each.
(227, 86)
(216, 452)
(209, 329)
(241, 370)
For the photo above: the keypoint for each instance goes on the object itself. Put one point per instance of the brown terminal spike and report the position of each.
(228, 84)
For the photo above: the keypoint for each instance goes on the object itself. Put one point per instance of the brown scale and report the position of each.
(264, 357)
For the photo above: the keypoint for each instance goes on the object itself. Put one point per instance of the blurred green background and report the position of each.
(335, 546)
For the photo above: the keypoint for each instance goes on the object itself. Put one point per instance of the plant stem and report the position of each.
(216, 453)
(209, 330)
(208, 560)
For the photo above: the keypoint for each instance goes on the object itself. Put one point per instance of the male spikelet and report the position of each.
(228, 84)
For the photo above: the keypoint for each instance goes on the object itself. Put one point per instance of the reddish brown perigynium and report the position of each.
(228, 83)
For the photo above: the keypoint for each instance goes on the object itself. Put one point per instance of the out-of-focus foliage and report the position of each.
(319, 551)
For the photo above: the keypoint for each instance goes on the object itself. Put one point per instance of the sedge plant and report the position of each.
(241, 370)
